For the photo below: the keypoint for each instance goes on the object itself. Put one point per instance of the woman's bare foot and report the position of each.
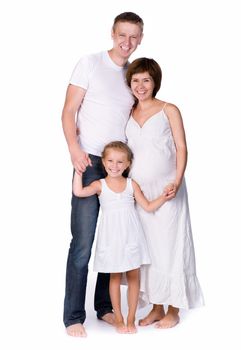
(121, 327)
(156, 314)
(109, 318)
(76, 330)
(171, 319)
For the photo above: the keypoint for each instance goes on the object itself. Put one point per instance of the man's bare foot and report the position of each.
(156, 314)
(170, 320)
(109, 318)
(131, 328)
(121, 327)
(76, 330)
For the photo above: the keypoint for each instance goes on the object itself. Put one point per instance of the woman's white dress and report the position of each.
(121, 245)
(171, 278)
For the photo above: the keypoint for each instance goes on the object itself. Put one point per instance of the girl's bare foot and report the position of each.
(156, 314)
(171, 319)
(121, 327)
(131, 327)
(109, 318)
(76, 330)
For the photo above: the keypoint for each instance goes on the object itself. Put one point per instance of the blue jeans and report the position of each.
(83, 224)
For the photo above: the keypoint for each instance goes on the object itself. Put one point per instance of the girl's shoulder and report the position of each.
(97, 184)
(134, 184)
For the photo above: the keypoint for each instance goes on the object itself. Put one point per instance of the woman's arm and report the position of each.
(149, 206)
(87, 191)
(178, 132)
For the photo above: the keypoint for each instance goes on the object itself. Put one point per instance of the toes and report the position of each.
(167, 323)
(132, 329)
(76, 330)
(143, 323)
(122, 330)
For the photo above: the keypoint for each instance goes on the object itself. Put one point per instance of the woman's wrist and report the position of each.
(178, 182)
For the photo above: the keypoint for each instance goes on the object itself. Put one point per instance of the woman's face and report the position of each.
(142, 86)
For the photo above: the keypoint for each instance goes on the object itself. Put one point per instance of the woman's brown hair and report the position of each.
(142, 65)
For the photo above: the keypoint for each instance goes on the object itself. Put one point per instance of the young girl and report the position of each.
(121, 246)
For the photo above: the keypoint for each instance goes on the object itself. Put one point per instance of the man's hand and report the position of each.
(80, 160)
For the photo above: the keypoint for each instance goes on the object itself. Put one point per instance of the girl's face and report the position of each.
(115, 162)
(142, 86)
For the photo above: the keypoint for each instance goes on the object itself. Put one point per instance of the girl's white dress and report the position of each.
(121, 245)
(171, 278)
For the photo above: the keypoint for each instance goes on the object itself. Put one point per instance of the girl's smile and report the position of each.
(115, 163)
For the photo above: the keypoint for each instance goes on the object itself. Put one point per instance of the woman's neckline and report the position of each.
(150, 118)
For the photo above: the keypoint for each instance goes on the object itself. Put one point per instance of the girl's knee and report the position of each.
(133, 274)
(115, 276)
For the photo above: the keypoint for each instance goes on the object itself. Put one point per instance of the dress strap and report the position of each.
(129, 184)
(103, 184)
(164, 106)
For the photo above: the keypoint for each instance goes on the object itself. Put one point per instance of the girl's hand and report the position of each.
(171, 189)
(80, 160)
(167, 195)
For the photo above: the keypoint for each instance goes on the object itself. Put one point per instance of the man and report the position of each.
(97, 93)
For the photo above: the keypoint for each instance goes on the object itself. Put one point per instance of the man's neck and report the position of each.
(120, 61)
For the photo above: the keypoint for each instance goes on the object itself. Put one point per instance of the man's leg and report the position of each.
(83, 223)
(103, 304)
(83, 217)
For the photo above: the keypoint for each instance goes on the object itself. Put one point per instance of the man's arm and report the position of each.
(74, 98)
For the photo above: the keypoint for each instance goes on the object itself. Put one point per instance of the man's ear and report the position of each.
(141, 38)
(112, 34)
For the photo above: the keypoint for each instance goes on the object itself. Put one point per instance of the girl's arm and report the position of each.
(149, 206)
(87, 191)
(178, 132)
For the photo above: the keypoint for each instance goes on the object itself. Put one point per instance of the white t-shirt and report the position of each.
(106, 105)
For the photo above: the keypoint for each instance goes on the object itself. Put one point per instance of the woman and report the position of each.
(156, 136)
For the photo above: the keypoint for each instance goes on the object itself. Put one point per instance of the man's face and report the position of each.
(126, 37)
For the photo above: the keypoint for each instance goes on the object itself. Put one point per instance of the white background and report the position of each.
(196, 44)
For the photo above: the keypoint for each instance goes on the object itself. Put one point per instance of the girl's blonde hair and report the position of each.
(121, 147)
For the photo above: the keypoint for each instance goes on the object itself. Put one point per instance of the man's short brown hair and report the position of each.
(130, 17)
